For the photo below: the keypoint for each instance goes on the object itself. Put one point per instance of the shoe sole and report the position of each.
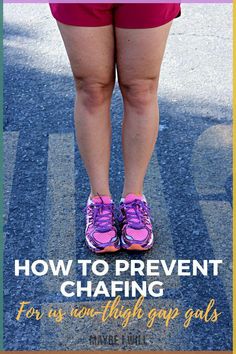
(137, 247)
(108, 249)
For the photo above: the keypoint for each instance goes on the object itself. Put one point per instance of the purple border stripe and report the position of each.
(121, 1)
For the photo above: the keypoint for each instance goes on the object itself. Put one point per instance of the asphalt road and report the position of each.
(188, 184)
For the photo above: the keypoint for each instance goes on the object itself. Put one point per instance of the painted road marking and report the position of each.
(154, 192)
(60, 204)
(211, 166)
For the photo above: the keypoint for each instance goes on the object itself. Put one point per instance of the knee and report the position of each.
(140, 94)
(93, 94)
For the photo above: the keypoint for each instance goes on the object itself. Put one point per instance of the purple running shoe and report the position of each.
(101, 233)
(135, 222)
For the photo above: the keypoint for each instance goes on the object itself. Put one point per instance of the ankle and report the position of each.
(106, 194)
(138, 193)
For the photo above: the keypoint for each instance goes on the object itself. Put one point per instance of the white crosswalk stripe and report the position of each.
(215, 144)
(163, 247)
(60, 205)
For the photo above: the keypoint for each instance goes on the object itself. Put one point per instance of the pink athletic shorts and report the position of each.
(120, 15)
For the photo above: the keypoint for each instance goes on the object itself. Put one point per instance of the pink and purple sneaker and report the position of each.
(136, 234)
(101, 233)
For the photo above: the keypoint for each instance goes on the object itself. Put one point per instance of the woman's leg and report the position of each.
(139, 57)
(91, 54)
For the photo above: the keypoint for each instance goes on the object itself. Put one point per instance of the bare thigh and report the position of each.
(139, 54)
(91, 53)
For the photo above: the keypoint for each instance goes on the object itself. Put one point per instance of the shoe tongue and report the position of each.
(134, 220)
(131, 197)
(104, 198)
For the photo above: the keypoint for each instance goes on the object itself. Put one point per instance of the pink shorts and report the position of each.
(120, 15)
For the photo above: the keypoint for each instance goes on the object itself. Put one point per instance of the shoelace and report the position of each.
(137, 212)
(102, 215)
